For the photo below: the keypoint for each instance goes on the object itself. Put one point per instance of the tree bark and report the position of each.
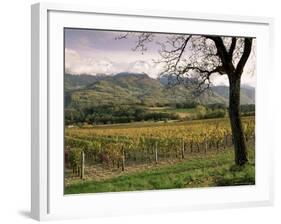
(235, 121)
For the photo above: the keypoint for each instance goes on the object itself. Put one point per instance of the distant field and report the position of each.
(182, 112)
(191, 123)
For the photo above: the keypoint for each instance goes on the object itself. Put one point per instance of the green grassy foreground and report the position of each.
(207, 171)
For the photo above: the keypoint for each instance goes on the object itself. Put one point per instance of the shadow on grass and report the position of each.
(237, 176)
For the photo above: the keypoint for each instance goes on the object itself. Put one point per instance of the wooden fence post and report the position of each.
(156, 153)
(82, 165)
(206, 145)
(182, 149)
(123, 159)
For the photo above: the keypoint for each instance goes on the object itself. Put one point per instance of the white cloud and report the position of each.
(218, 80)
(108, 63)
(139, 66)
(75, 64)
(71, 58)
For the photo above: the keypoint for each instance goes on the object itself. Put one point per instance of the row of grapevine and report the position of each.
(119, 147)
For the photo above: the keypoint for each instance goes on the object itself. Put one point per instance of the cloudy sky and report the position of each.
(98, 52)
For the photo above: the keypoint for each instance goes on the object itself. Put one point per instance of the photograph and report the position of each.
(156, 111)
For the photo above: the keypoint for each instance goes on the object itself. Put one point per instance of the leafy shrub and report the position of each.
(215, 114)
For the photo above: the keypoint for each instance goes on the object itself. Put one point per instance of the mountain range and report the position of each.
(139, 88)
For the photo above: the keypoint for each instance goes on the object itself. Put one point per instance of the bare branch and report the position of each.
(232, 47)
(245, 55)
(192, 59)
(182, 50)
(142, 39)
(223, 54)
(122, 36)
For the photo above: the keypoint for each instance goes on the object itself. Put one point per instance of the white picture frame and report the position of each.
(47, 198)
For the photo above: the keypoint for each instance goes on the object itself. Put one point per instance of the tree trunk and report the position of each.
(235, 121)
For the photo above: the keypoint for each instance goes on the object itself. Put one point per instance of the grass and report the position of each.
(173, 110)
(182, 112)
(209, 171)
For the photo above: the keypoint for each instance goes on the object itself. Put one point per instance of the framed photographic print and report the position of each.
(148, 111)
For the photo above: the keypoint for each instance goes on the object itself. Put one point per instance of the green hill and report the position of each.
(247, 93)
(138, 89)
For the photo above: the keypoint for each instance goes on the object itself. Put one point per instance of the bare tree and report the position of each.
(193, 59)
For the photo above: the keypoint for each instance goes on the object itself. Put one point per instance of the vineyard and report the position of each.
(127, 145)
